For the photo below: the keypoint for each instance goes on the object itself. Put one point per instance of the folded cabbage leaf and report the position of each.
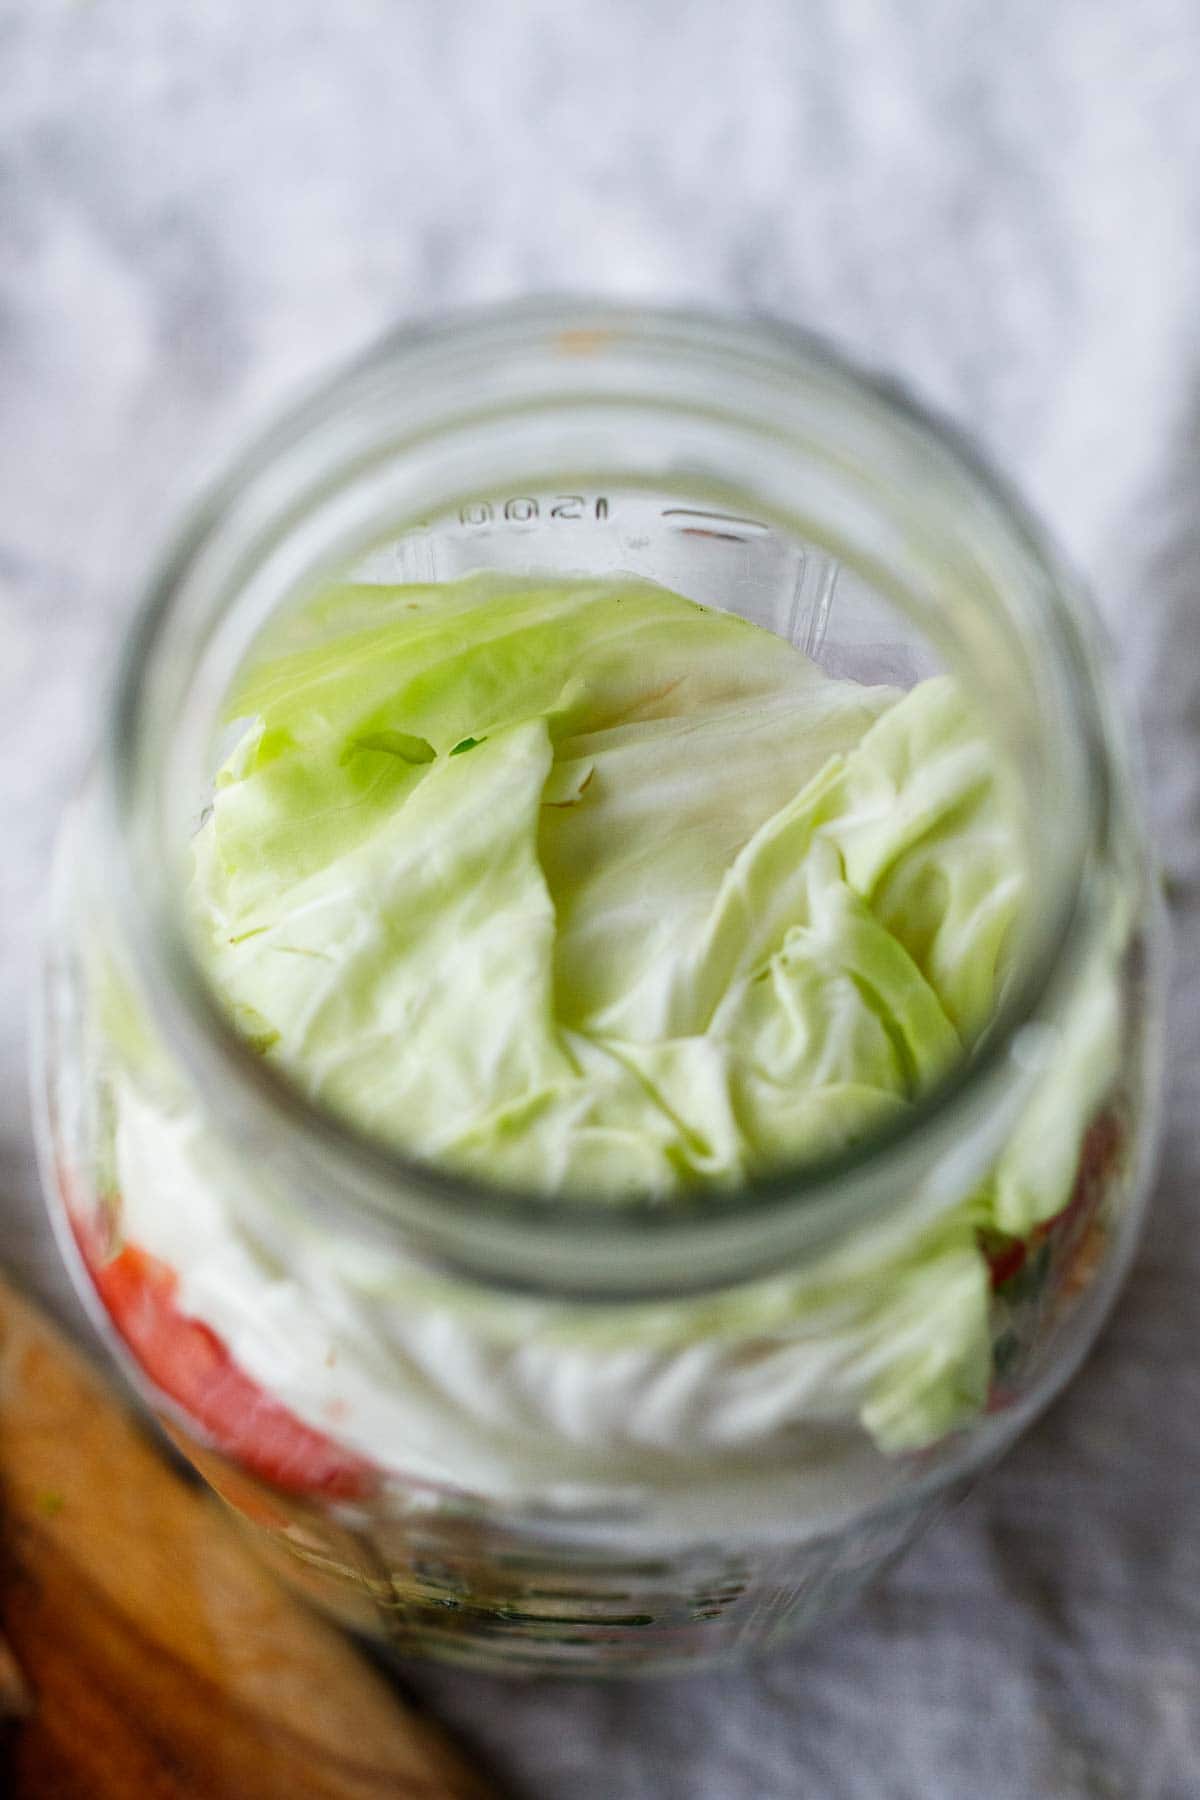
(583, 888)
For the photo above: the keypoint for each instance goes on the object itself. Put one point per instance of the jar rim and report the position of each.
(513, 1238)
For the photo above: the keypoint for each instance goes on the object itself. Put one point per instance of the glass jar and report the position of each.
(462, 1417)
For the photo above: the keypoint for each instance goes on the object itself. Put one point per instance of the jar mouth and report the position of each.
(505, 362)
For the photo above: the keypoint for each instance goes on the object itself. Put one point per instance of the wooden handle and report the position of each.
(147, 1653)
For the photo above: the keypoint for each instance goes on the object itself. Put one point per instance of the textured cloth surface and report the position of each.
(201, 206)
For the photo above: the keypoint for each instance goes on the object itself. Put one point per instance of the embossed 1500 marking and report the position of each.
(522, 509)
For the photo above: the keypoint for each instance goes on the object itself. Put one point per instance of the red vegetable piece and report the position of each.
(191, 1364)
(1005, 1260)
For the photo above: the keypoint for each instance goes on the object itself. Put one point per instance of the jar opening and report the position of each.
(759, 470)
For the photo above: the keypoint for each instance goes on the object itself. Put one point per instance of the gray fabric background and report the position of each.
(202, 204)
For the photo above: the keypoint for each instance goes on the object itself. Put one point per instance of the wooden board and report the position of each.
(145, 1652)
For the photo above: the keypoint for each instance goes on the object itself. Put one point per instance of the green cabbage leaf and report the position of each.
(581, 887)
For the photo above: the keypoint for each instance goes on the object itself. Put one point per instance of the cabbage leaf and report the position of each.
(581, 887)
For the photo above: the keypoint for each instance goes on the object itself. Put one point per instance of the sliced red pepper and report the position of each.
(189, 1362)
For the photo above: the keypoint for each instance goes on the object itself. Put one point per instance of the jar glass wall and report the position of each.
(483, 1421)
